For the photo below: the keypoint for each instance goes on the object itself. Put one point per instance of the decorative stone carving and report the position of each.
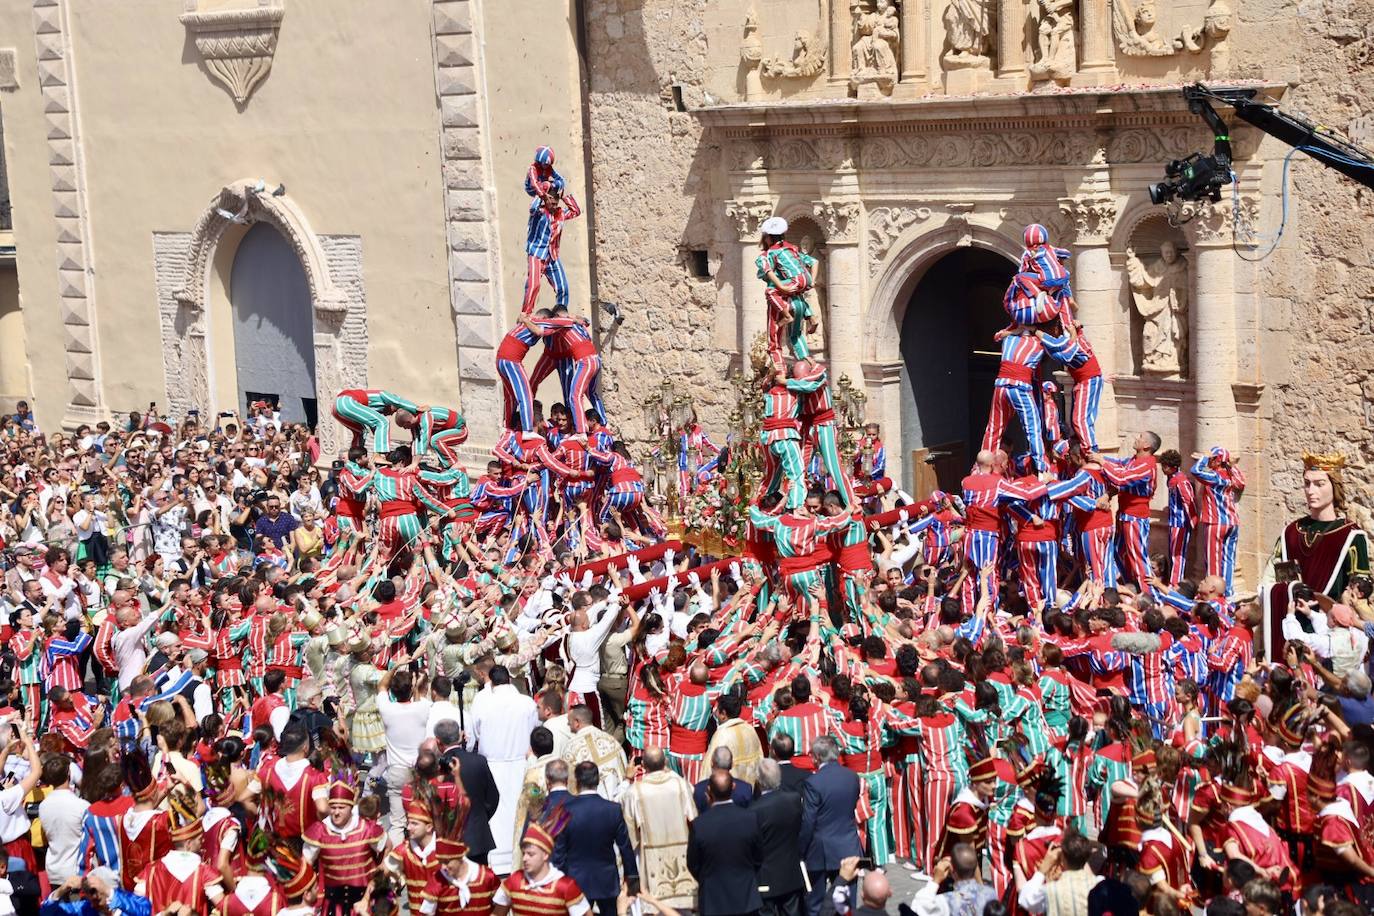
(794, 155)
(1093, 218)
(1214, 223)
(1056, 51)
(839, 220)
(876, 32)
(885, 226)
(1135, 29)
(979, 149)
(751, 48)
(749, 155)
(808, 59)
(1216, 25)
(968, 29)
(748, 215)
(246, 201)
(1017, 218)
(1159, 291)
(236, 45)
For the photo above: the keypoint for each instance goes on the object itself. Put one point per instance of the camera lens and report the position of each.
(1161, 192)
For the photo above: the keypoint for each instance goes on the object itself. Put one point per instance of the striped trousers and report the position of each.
(1087, 401)
(359, 419)
(583, 385)
(783, 462)
(1133, 549)
(1095, 550)
(517, 410)
(1020, 399)
(1220, 543)
(536, 268)
(1039, 562)
(1179, 536)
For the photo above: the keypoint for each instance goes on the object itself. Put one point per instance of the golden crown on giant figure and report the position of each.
(1329, 461)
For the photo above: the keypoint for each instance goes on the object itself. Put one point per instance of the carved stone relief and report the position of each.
(747, 216)
(968, 32)
(1138, 32)
(876, 33)
(839, 220)
(1056, 52)
(236, 45)
(808, 59)
(885, 226)
(1092, 218)
(1017, 217)
(1159, 297)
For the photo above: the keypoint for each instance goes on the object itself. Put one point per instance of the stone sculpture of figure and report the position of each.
(1160, 293)
(808, 59)
(875, 57)
(1058, 57)
(1135, 30)
(968, 28)
(1217, 25)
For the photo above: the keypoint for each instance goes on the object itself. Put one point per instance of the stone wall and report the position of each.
(1319, 307)
(653, 180)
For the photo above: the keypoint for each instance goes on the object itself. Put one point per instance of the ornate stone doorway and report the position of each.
(950, 359)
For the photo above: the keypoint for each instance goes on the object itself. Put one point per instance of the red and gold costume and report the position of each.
(253, 895)
(553, 894)
(298, 785)
(144, 838)
(347, 856)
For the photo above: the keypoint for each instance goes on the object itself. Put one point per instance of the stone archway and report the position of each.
(192, 281)
(885, 375)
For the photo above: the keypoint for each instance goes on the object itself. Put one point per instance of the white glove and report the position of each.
(902, 516)
(632, 564)
(693, 579)
(668, 556)
(587, 578)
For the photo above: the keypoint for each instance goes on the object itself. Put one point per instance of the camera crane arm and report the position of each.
(1333, 152)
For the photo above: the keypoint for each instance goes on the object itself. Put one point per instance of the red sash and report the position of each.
(686, 740)
(394, 508)
(1088, 370)
(625, 475)
(771, 424)
(1015, 372)
(788, 566)
(1133, 504)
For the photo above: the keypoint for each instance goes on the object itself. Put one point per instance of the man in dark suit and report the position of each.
(783, 747)
(722, 761)
(724, 852)
(475, 775)
(779, 814)
(585, 850)
(828, 831)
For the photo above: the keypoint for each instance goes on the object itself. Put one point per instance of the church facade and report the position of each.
(217, 200)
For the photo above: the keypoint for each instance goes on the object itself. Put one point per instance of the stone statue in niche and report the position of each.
(1056, 51)
(876, 31)
(968, 30)
(751, 56)
(1135, 30)
(1159, 291)
(808, 59)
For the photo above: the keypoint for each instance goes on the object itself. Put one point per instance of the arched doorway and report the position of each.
(274, 352)
(950, 362)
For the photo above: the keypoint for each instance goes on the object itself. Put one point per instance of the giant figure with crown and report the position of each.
(1324, 547)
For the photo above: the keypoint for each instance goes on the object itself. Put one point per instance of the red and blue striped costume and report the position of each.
(495, 501)
(1026, 302)
(1182, 518)
(984, 495)
(571, 350)
(75, 725)
(1095, 533)
(1047, 263)
(1134, 479)
(1014, 390)
(1149, 681)
(541, 247)
(1049, 407)
(623, 491)
(1227, 660)
(518, 450)
(1076, 353)
(1221, 490)
(695, 452)
(1037, 546)
(62, 661)
(517, 398)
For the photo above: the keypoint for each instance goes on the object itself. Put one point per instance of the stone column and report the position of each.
(1095, 291)
(913, 43)
(841, 223)
(747, 216)
(1095, 29)
(841, 28)
(1011, 32)
(883, 384)
(1212, 330)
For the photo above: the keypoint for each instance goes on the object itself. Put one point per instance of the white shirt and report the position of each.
(129, 651)
(406, 726)
(502, 719)
(584, 648)
(14, 822)
(440, 710)
(63, 594)
(61, 814)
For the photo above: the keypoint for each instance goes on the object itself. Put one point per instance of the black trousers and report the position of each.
(783, 905)
(604, 907)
